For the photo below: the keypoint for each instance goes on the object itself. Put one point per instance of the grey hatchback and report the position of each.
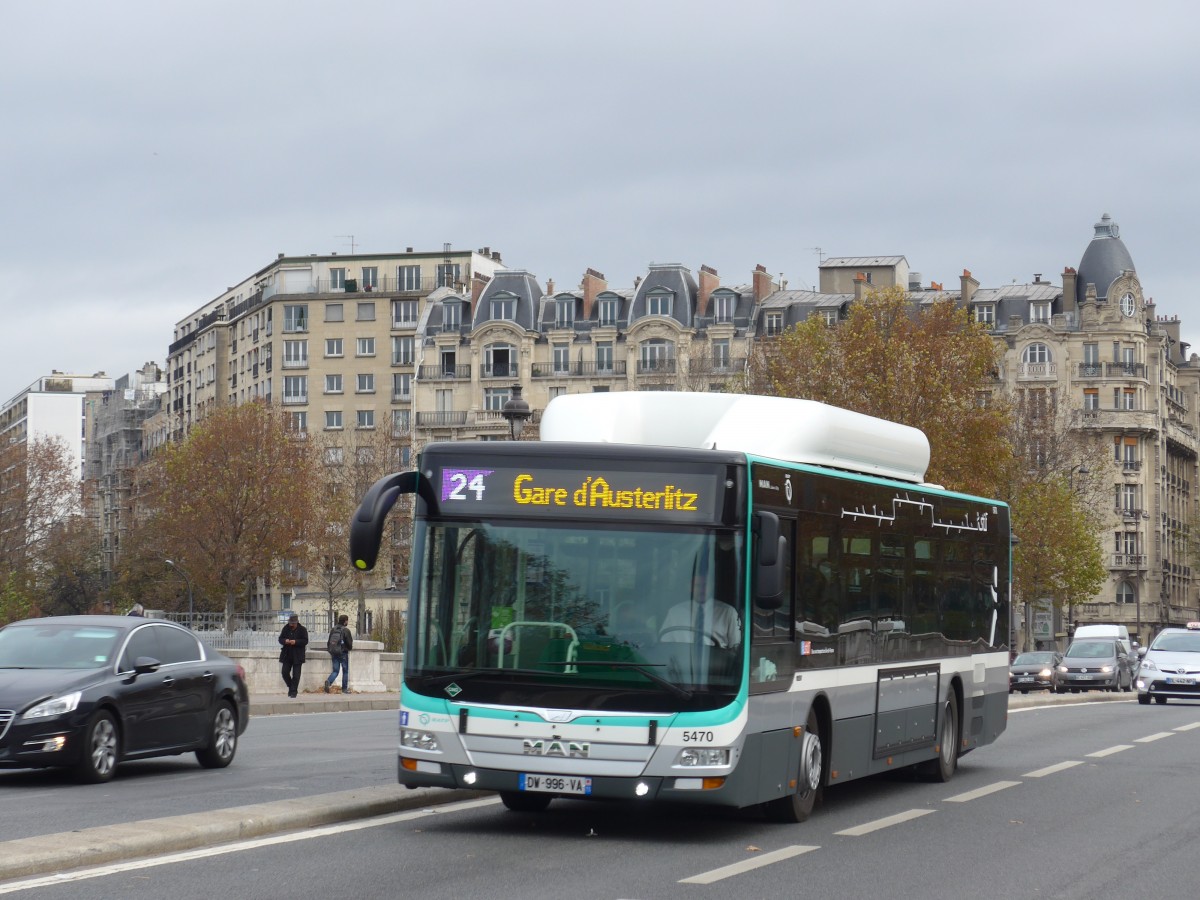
(1094, 664)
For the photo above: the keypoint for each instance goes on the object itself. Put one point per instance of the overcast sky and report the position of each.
(153, 153)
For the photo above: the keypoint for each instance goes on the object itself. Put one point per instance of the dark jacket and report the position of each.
(347, 639)
(293, 653)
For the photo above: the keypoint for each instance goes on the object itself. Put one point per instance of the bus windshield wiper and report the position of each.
(641, 668)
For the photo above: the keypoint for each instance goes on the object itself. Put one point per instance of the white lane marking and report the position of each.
(204, 852)
(748, 865)
(885, 822)
(1153, 737)
(981, 792)
(1188, 727)
(1057, 767)
(1110, 751)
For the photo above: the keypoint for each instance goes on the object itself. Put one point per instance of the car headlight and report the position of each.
(1107, 670)
(1045, 673)
(419, 740)
(56, 706)
(703, 756)
(1062, 670)
(1149, 664)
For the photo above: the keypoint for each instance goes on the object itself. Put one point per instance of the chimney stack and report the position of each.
(968, 285)
(709, 282)
(763, 286)
(1070, 286)
(593, 285)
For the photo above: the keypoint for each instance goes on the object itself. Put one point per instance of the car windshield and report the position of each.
(1034, 659)
(1093, 649)
(1183, 642)
(57, 646)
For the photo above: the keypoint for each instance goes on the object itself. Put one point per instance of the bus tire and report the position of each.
(525, 801)
(942, 768)
(810, 781)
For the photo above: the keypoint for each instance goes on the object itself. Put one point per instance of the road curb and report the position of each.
(103, 844)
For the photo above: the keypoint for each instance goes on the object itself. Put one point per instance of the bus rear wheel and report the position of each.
(524, 801)
(942, 769)
(799, 806)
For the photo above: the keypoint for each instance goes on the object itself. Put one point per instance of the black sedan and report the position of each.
(1033, 671)
(87, 692)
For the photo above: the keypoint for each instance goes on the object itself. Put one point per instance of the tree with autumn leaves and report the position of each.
(232, 502)
(933, 368)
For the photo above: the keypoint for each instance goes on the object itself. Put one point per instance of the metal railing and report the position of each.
(578, 369)
(444, 373)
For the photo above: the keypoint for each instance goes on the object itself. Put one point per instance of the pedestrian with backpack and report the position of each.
(340, 642)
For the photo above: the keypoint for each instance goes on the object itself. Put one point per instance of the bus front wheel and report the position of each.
(798, 807)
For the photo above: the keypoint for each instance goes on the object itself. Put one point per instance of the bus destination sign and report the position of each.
(677, 497)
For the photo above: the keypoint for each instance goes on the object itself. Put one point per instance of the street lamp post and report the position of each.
(516, 412)
(188, 582)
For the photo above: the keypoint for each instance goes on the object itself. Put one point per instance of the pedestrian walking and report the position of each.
(293, 638)
(138, 610)
(340, 642)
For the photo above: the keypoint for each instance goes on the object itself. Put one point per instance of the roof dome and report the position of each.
(1103, 261)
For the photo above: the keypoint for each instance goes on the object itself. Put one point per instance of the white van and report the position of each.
(1112, 632)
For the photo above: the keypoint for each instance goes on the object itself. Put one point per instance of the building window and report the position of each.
(295, 353)
(333, 419)
(608, 311)
(604, 356)
(1039, 311)
(333, 384)
(408, 278)
(562, 359)
(985, 314)
(337, 279)
(295, 389)
(564, 313)
(1091, 354)
(774, 323)
(495, 398)
(720, 354)
(1036, 353)
(366, 312)
(370, 279)
(401, 385)
(504, 309)
(830, 316)
(365, 346)
(404, 313)
(444, 399)
(333, 347)
(557, 392)
(500, 361)
(657, 356)
(298, 422)
(722, 308)
(334, 455)
(1128, 398)
(1091, 399)
(401, 421)
(295, 317)
(449, 274)
(365, 383)
(1125, 593)
(403, 350)
(451, 315)
(659, 304)
(366, 418)
(334, 312)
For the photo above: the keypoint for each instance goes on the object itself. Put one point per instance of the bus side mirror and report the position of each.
(769, 566)
(366, 526)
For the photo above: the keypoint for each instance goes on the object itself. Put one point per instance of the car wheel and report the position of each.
(942, 769)
(798, 806)
(101, 749)
(525, 801)
(1144, 699)
(222, 739)
(1160, 699)
(1059, 690)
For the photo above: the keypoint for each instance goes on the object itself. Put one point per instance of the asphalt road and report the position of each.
(1079, 801)
(1088, 800)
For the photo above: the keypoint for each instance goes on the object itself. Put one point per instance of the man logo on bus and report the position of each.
(574, 749)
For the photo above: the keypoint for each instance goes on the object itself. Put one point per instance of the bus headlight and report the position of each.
(419, 740)
(703, 756)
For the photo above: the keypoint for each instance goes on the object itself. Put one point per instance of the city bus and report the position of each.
(701, 598)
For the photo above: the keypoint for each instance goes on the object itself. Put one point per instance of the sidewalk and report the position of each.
(318, 701)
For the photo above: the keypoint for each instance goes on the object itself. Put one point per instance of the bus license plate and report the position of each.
(556, 784)
(1178, 679)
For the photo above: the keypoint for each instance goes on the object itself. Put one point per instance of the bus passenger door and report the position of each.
(772, 621)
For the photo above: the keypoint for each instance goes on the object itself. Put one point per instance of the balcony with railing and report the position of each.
(1120, 419)
(444, 372)
(301, 363)
(498, 370)
(1090, 370)
(1130, 466)
(1128, 561)
(442, 418)
(1130, 513)
(579, 370)
(388, 284)
(1183, 435)
(294, 399)
(1125, 370)
(716, 365)
(1039, 371)
(656, 366)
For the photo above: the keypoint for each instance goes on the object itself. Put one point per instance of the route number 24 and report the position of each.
(460, 485)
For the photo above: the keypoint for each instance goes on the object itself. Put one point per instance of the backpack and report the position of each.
(337, 641)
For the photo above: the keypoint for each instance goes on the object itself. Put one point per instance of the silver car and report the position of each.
(1171, 666)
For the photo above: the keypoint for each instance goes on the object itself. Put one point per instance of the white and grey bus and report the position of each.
(708, 598)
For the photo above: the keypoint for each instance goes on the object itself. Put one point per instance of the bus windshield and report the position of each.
(599, 617)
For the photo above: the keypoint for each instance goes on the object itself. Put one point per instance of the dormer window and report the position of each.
(1039, 311)
(564, 313)
(985, 314)
(451, 315)
(608, 311)
(722, 308)
(504, 308)
(659, 304)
